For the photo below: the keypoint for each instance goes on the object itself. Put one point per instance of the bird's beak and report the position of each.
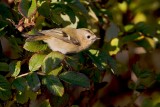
(97, 38)
(94, 39)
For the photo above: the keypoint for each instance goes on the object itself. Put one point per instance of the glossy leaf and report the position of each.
(56, 71)
(36, 61)
(51, 61)
(35, 46)
(53, 84)
(27, 8)
(14, 68)
(32, 9)
(75, 78)
(33, 81)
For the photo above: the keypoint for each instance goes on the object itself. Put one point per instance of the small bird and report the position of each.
(66, 40)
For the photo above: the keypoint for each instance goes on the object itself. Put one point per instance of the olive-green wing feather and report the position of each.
(56, 33)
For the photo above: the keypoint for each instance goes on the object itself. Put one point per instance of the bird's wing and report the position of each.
(56, 33)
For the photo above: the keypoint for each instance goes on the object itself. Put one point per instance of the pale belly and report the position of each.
(61, 46)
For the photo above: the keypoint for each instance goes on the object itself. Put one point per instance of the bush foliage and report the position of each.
(121, 69)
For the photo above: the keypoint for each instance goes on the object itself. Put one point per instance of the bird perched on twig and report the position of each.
(65, 40)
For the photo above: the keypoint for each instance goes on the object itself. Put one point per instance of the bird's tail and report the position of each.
(34, 37)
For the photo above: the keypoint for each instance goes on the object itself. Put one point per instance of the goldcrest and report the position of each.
(66, 40)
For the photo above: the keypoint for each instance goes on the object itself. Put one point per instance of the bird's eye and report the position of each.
(88, 36)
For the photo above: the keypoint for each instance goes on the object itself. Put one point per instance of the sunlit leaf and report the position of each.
(32, 8)
(35, 46)
(55, 71)
(27, 8)
(36, 61)
(102, 60)
(33, 81)
(14, 68)
(51, 61)
(53, 84)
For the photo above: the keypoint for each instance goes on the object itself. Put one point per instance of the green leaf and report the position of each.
(32, 8)
(53, 84)
(23, 7)
(31, 94)
(73, 62)
(22, 97)
(70, 13)
(44, 10)
(57, 101)
(20, 84)
(145, 28)
(93, 54)
(82, 21)
(56, 17)
(36, 61)
(33, 81)
(51, 61)
(77, 6)
(56, 71)
(27, 8)
(35, 46)
(129, 38)
(44, 103)
(75, 78)
(4, 66)
(5, 11)
(14, 68)
(5, 88)
(102, 60)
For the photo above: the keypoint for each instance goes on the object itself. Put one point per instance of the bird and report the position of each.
(65, 40)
